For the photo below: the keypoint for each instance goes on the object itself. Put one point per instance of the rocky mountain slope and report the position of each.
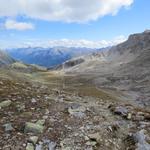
(5, 59)
(125, 67)
(8, 63)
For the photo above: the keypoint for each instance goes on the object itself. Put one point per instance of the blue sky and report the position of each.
(95, 24)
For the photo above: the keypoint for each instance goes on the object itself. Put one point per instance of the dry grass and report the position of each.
(73, 84)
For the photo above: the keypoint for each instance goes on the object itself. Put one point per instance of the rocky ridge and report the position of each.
(125, 68)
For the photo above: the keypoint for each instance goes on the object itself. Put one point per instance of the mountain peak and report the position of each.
(135, 43)
(147, 31)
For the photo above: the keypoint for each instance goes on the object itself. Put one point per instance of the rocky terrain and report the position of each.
(85, 104)
(125, 68)
(47, 111)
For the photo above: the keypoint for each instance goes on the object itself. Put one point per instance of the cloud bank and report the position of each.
(78, 43)
(14, 25)
(62, 43)
(62, 10)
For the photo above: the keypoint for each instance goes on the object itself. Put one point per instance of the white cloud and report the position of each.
(14, 25)
(62, 10)
(62, 42)
(84, 43)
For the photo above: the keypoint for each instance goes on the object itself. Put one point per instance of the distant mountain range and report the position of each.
(48, 57)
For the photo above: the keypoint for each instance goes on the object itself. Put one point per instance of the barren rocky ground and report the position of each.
(56, 112)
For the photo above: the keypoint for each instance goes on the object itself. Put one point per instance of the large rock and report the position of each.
(94, 137)
(5, 103)
(120, 110)
(29, 147)
(46, 144)
(41, 122)
(33, 127)
(141, 139)
(33, 139)
(8, 127)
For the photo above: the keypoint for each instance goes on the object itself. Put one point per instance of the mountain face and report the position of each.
(5, 59)
(47, 57)
(125, 67)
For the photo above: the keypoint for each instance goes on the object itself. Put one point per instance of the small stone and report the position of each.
(5, 104)
(24, 145)
(86, 138)
(78, 111)
(110, 128)
(8, 127)
(46, 112)
(33, 127)
(33, 100)
(45, 117)
(138, 118)
(46, 145)
(94, 137)
(49, 129)
(141, 140)
(129, 116)
(33, 139)
(40, 142)
(76, 134)
(147, 116)
(30, 146)
(120, 110)
(27, 114)
(38, 147)
(40, 122)
(20, 107)
(91, 143)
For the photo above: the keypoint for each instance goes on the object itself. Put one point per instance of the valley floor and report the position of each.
(47, 110)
